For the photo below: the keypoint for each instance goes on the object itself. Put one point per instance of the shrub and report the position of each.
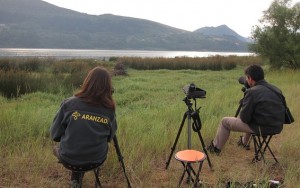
(119, 69)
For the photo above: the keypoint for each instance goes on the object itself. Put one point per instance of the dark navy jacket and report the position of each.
(83, 131)
(263, 109)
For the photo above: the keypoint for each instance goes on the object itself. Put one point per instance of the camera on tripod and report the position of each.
(193, 119)
(193, 92)
(243, 81)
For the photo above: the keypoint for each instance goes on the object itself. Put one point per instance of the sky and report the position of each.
(239, 15)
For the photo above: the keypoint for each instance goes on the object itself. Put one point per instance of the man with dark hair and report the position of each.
(262, 112)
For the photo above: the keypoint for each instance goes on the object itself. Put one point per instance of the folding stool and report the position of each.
(186, 157)
(261, 144)
(95, 168)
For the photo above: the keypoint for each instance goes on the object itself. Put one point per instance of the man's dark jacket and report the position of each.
(263, 109)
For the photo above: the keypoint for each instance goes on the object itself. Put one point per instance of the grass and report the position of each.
(19, 76)
(149, 112)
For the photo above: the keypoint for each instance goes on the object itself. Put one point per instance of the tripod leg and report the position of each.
(239, 109)
(204, 148)
(118, 151)
(176, 140)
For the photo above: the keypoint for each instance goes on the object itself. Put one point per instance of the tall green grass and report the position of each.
(149, 113)
(20, 76)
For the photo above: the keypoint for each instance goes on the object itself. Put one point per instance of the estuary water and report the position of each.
(104, 54)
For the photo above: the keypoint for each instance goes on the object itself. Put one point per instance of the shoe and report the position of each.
(212, 149)
(241, 144)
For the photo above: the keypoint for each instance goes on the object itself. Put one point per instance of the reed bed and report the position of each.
(215, 63)
(20, 76)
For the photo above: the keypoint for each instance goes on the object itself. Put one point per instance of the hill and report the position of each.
(38, 24)
(221, 31)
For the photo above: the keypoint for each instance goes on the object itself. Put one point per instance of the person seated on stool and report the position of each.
(262, 112)
(85, 123)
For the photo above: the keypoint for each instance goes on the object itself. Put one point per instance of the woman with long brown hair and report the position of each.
(85, 123)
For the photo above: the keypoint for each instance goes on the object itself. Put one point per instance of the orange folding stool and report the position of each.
(186, 157)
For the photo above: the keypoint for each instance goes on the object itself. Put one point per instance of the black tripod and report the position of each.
(241, 102)
(240, 107)
(120, 157)
(192, 115)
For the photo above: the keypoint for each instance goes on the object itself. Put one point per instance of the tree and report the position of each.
(278, 39)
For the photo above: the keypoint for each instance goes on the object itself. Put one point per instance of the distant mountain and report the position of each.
(220, 31)
(38, 24)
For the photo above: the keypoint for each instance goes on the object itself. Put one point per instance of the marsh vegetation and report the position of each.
(149, 112)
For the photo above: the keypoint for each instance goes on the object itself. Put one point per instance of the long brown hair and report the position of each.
(97, 88)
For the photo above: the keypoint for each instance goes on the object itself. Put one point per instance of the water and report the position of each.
(100, 54)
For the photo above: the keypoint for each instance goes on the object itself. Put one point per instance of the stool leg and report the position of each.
(190, 171)
(184, 171)
(77, 176)
(268, 147)
(198, 174)
(273, 155)
(97, 181)
(255, 158)
(260, 146)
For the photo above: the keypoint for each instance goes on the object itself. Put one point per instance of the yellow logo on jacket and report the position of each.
(89, 117)
(94, 118)
(76, 115)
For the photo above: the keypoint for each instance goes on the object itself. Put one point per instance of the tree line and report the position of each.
(278, 37)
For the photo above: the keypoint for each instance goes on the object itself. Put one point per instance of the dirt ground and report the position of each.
(234, 165)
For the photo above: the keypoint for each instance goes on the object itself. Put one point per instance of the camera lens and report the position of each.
(192, 87)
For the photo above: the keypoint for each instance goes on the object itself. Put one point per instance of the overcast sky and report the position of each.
(239, 15)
